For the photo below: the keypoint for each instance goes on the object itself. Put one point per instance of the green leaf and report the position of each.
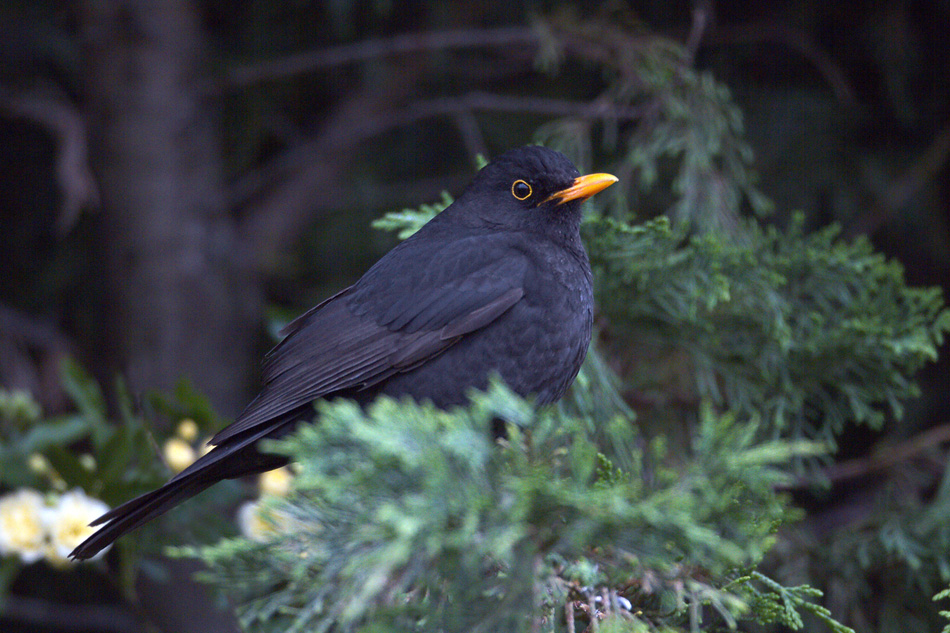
(408, 221)
(55, 432)
(83, 390)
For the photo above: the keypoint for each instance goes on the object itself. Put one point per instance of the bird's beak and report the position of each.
(583, 187)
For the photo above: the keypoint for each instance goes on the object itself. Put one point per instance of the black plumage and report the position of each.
(498, 283)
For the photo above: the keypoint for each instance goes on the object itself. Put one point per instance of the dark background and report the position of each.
(176, 177)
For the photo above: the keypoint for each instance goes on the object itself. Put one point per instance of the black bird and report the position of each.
(499, 282)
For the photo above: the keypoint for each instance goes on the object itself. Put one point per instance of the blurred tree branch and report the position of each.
(295, 183)
(883, 458)
(416, 42)
(794, 39)
(901, 191)
(32, 331)
(306, 172)
(281, 197)
(68, 128)
(702, 10)
(30, 352)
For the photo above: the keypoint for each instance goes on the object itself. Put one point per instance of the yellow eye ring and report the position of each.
(521, 190)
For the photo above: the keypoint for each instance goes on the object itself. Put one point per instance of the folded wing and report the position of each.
(367, 333)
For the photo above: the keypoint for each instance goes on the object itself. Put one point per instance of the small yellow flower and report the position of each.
(67, 524)
(276, 482)
(187, 430)
(22, 531)
(88, 462)
(38, 463)
(179, 454)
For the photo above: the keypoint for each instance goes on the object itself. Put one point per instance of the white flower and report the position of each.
(22, 530)
(67, 524)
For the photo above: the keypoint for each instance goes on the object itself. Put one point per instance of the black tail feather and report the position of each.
(137, 512)
(234, 458)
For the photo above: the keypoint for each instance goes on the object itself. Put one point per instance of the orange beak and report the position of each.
(583, 187)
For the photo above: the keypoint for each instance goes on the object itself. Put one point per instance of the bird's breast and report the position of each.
(536, 347)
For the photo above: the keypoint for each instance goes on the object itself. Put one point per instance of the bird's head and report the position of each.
(530, 188)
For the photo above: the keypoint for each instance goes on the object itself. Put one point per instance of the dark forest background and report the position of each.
(178, 177)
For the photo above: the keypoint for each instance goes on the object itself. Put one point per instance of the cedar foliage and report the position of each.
(410, 518)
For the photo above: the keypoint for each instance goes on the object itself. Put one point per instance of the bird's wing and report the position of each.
(381, 326)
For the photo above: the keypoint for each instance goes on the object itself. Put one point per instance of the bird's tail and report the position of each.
(137, 512)
(236, 457)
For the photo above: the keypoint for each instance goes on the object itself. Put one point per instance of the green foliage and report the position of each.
(18, 407)
(897, 542)
(773, 603)
(26, 433)
(406, 222)
(806, 331)
(943, 595)
(411, 518)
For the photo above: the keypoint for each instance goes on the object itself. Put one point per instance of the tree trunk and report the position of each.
(179, 304)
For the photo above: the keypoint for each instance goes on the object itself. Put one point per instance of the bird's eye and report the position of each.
(521, 190)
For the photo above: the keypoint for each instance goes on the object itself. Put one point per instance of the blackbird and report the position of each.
(498, 283)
